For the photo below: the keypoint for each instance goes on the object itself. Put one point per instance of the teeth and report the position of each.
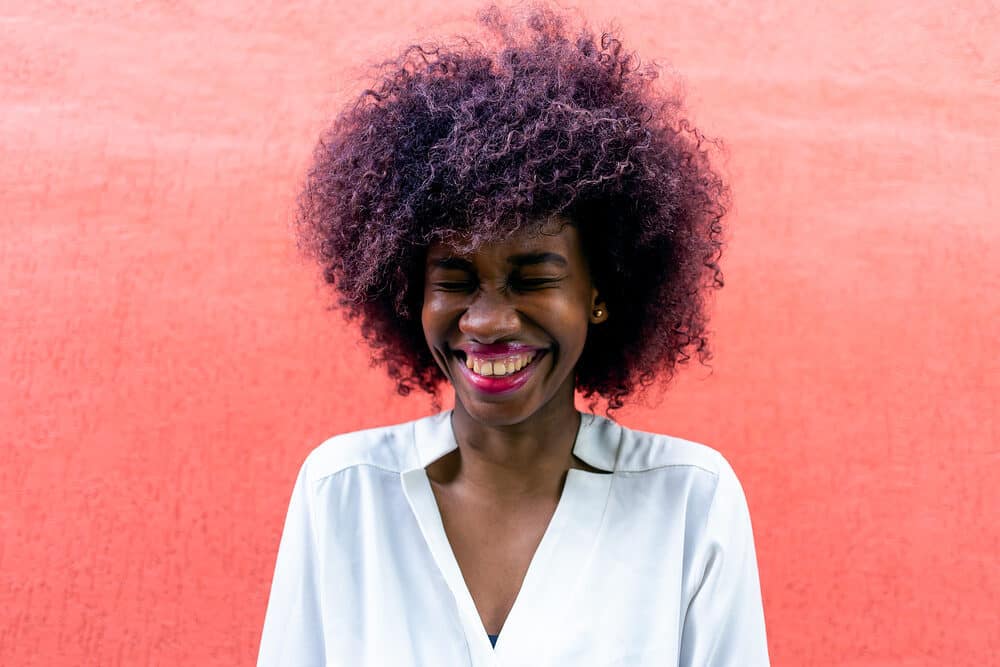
(498, 367)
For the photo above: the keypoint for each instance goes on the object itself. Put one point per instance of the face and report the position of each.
(507, 324)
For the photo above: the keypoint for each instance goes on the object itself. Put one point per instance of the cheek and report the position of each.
(435, 330)
(427, 317)
(435, 316)
(568, 322)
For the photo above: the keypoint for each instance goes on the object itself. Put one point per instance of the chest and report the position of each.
(493, 544)
(599, 589)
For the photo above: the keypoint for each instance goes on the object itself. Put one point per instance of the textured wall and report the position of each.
(167, 362)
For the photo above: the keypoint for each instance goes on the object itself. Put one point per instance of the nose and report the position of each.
(489, 318)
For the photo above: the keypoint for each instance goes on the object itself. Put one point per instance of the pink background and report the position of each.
(168, 362)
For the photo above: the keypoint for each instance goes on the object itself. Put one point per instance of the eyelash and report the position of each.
(453, 286)
(526, 284)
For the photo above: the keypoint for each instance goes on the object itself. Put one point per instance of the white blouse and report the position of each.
(649, 563)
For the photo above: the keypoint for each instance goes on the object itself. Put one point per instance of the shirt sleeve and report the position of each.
(293, 627)
(724, 624)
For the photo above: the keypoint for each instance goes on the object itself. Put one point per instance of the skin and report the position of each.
(497, 492)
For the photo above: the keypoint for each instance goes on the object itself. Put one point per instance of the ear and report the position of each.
(598, 309)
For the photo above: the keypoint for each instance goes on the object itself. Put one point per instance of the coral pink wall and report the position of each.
(167, 362)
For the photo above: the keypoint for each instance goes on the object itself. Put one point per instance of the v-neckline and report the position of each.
(571, 532)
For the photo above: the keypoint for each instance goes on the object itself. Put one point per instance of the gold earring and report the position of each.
(598, 313)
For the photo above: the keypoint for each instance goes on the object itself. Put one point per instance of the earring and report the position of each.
(598, 312)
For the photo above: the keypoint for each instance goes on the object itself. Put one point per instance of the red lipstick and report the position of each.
(497, 352)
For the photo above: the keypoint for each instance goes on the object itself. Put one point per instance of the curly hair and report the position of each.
(468, 143)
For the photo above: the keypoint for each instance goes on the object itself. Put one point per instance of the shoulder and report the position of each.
(388, 448)
(642, 451)
(663, 462)
(645, 456)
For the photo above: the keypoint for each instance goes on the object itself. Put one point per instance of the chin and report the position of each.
(499, 412)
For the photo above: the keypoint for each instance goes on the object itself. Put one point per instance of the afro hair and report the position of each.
(476, 140)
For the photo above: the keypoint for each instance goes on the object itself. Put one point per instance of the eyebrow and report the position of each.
(526, 259)
(519, 260)
(452, 263)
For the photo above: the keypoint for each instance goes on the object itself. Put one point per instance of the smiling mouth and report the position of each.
(494, 366)
(499, 374)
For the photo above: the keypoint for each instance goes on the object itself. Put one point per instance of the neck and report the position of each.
(529, 458)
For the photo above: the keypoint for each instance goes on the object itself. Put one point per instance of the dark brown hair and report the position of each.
(474, 141)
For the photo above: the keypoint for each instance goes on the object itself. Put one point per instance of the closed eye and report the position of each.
(453, 286)
(534, 283)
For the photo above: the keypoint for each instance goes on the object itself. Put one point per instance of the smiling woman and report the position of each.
(529, 300)
(519, 222)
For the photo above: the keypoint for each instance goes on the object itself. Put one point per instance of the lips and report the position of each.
(485, 357)
(491, 351)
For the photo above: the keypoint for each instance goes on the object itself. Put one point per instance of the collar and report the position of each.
(598, 441)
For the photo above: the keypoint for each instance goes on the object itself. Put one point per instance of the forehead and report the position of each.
(553, 236)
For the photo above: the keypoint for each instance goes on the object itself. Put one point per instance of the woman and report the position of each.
(522, 220)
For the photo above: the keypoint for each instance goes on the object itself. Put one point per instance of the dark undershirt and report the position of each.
(493, 640)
